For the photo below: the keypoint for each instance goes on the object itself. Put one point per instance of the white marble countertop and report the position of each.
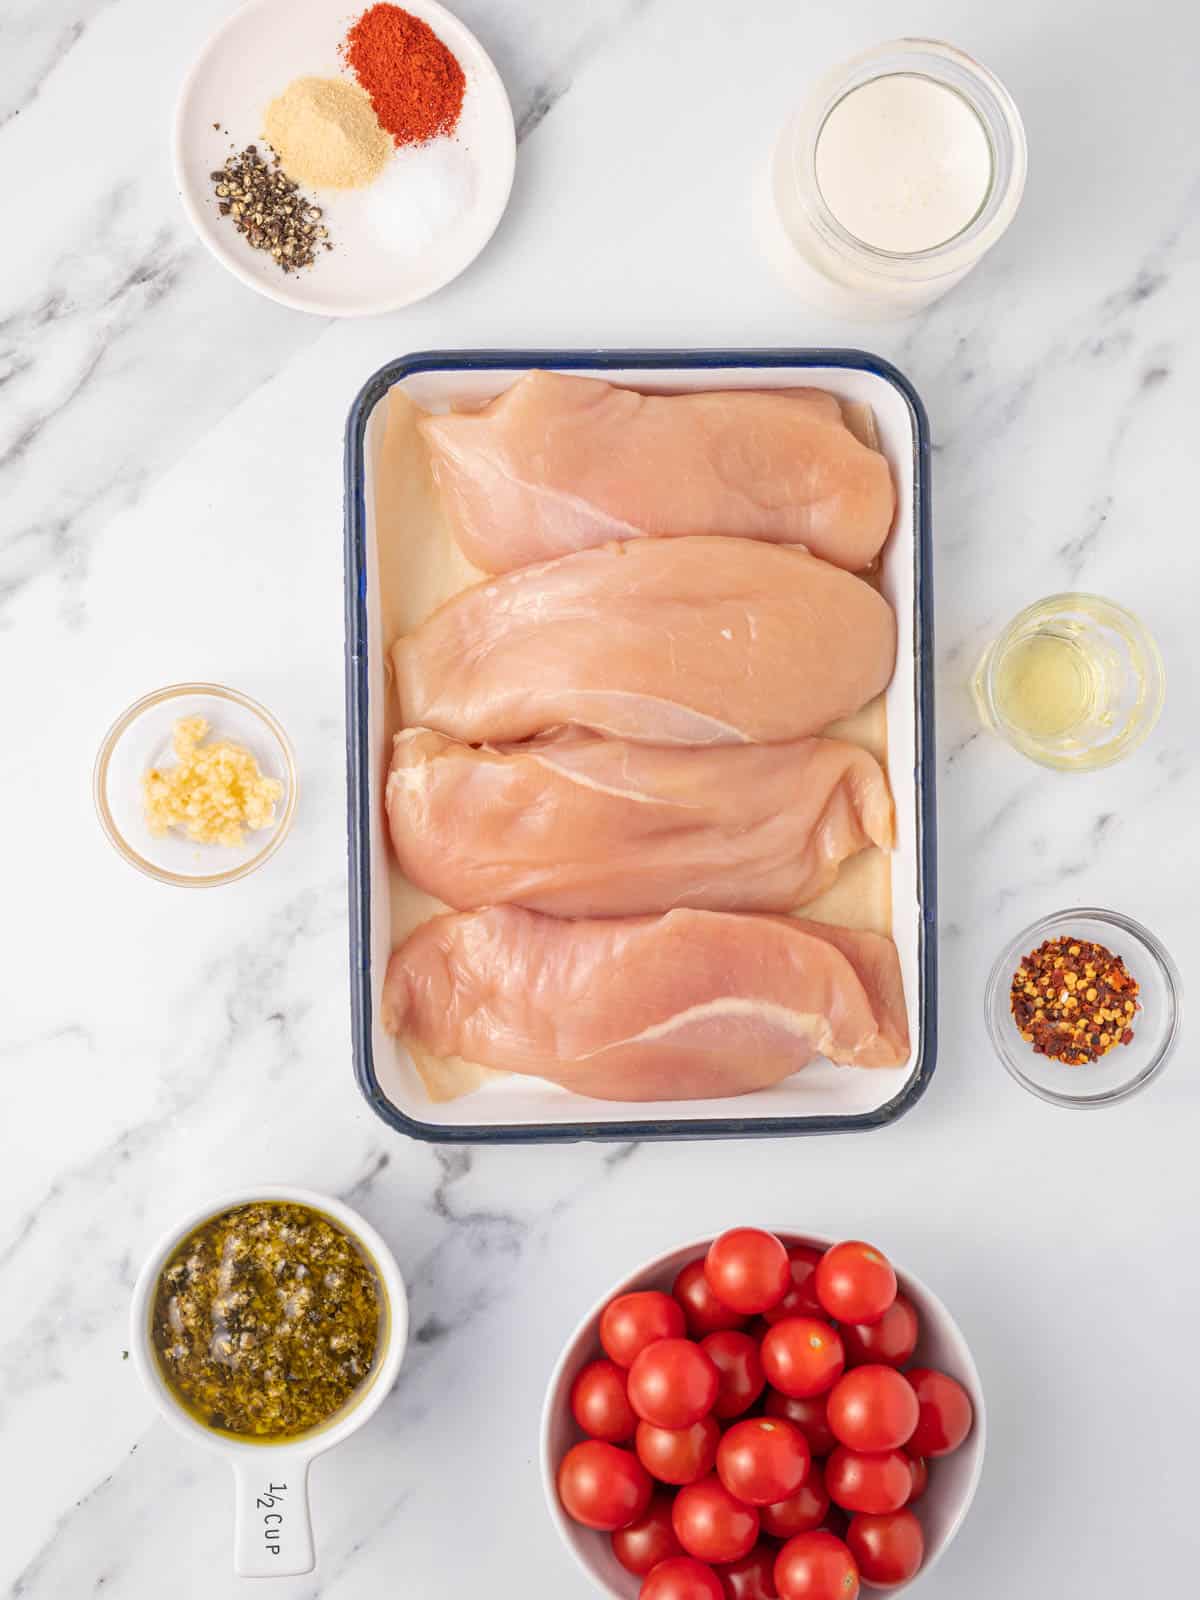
(170, 456)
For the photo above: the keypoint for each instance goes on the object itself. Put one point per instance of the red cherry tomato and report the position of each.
(873, 1408)
(891, 1340)
(751, 1578)
(600, 1404)
(763, 1459)
(920, 1477)
(651, 1539)
(808, 1413)
(800, 1512)
(701, 1308)
(711, 1524)
(632, 1321)
(672, 1383)
(739, 1369)
(799, 1301)
(946, 1414)
(816, 1566)
(682, 1578)
(748, 1269)
(603, 1487)
(678, 1455)
(802, 1356)
(855, 1282)
(889, 1550)
(872, 1483)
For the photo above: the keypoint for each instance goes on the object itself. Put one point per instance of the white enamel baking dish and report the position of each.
(823, 1098)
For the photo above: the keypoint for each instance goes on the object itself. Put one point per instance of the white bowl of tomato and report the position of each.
(762, 1415)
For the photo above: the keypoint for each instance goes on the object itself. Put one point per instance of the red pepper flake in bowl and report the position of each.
(414, 81)
(1073, 1000)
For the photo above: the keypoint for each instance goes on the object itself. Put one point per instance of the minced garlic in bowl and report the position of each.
(214, 792)
(168, 789)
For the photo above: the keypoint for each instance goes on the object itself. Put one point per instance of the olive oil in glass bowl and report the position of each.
(1074, 682)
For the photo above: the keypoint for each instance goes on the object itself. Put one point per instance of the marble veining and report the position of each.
(547, 92)
(170, 504)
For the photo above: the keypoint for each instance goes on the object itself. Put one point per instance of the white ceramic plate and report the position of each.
(253, 58)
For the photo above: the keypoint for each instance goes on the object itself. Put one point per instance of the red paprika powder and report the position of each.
(414, 82)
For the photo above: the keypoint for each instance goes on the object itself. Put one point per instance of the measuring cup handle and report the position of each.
(272, 1524)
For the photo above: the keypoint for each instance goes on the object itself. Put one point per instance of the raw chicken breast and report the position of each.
(692, 1005)
(664, 641)
(581, 826)
(559, 463)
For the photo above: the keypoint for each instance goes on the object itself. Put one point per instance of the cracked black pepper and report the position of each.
(267, 1319)
(268, 209)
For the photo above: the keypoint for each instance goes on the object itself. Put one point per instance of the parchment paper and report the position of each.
(420, 567)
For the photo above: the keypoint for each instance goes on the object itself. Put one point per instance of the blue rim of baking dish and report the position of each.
(361, 801)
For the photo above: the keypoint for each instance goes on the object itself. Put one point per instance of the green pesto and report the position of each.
(266, 1320)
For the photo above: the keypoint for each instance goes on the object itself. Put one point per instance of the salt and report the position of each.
(419, 195)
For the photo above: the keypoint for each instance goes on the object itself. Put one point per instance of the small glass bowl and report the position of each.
(1126, 1068)
(1123, 663)
(140, 738)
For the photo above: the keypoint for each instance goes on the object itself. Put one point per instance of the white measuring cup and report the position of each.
(272, 1521)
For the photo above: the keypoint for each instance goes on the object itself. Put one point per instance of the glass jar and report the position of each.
(1074, 682)
(826, 262)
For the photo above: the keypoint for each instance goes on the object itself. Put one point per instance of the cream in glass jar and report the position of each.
(894, 179)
